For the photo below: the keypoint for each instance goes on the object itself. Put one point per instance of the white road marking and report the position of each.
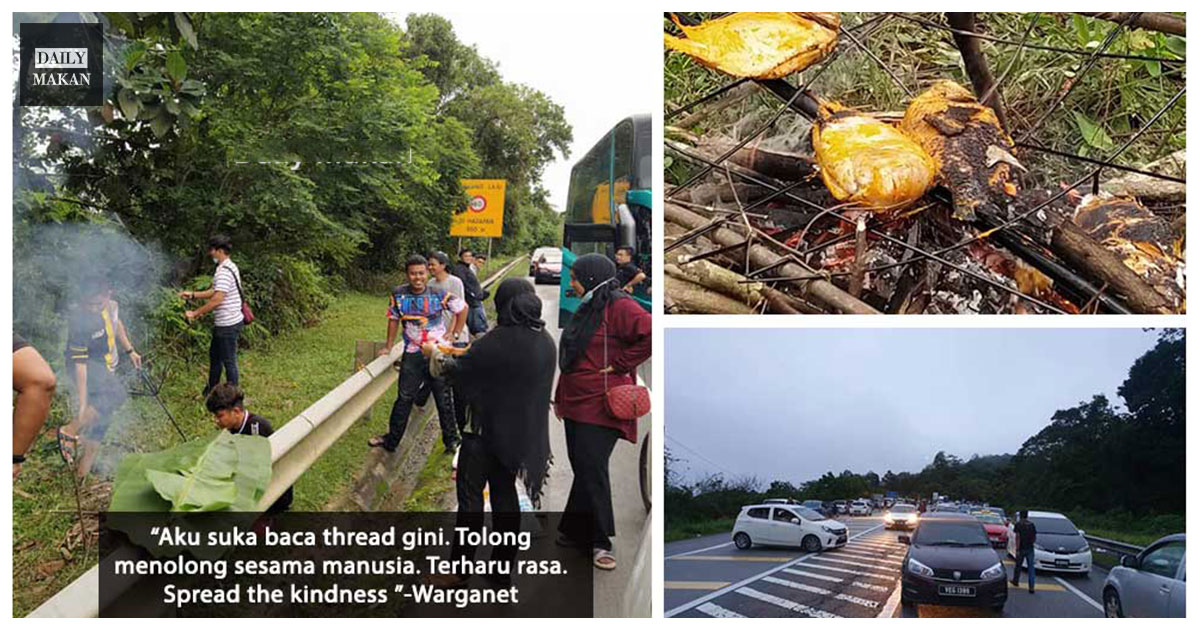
(1083, 596)
(889, 609)
(856, 564)
(819, 591)
(851, 571)
(788, 604)
(712, 610)
(809, 574)
(703, 549)
(868, 552)
(715, 594)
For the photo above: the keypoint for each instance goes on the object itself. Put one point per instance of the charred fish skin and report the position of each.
(759, 45)
(972, 151)
(866, 161)
(1143, 240)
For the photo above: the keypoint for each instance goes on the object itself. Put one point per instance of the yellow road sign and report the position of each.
(484, 217)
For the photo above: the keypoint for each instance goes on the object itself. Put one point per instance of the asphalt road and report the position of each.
(621, 592)
(709, 577)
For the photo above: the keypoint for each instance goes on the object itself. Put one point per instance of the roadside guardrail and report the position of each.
(1116, 548)
(295, 447)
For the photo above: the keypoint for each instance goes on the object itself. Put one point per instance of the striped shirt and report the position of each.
(229, 312)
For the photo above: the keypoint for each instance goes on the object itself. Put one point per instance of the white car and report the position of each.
(1059, 546)
(1150, 584)
(860, 508)
(787, 525)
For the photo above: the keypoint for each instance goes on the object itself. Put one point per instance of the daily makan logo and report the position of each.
(61, 65)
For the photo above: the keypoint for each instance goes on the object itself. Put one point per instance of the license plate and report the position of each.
(1060, 562)
(956, 590)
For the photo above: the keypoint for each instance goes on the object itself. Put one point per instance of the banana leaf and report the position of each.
(226, 472)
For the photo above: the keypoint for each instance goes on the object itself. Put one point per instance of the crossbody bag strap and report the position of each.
(238, 282)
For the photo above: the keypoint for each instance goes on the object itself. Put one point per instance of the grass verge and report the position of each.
(297, 369)
(693, 529)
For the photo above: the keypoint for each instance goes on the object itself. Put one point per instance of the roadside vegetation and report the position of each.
(1115, 469)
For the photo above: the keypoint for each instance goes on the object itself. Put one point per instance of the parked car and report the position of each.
(951, 562)
(901, 517)
(859, 508)
(995, 526)
(545, 265)
(1150, 584)
(816, 505)
(780, 500)
(1060, 546)
(840, 506)
(787, 525)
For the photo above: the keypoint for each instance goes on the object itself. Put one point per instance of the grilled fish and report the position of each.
(759, 45)
(1142, 239)
(866, 161)
(964, 138)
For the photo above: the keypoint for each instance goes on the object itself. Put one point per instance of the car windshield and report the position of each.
(811, 504)
(903, 509)
(988, 517)
(1053, 525)
(965, 533)
(808, 513)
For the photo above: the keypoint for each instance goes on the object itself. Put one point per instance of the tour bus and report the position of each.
(608, 206)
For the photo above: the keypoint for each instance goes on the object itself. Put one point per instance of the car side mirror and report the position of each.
(904, 539)
(1129, 561)
(1082, 533)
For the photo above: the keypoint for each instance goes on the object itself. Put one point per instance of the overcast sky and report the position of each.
(600, 66)
(792, 404)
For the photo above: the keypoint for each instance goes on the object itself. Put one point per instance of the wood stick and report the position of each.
(693, 297)
(976, 64)
(818, 290)
(718, 279)
(1079, 248)
(1161, 22)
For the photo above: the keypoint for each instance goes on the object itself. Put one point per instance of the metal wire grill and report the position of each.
(796, 97)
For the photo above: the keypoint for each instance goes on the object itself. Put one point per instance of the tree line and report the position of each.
(329, 146)
(1097, 456)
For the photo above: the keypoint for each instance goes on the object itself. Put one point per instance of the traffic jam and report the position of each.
(891, 557)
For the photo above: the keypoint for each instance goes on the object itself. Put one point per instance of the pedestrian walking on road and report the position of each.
(608, 337)
(33, 391)
(506, 378)
(1026, 536)
(225, 302)
(419, 309)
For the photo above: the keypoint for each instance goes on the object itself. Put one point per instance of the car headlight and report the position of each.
(829, 529)
(888, 518)
(919, 568)
(995, 571)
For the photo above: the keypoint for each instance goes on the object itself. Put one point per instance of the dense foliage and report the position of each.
(328, 146)
(1094, 457)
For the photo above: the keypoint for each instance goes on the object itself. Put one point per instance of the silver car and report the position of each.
(1150, 584)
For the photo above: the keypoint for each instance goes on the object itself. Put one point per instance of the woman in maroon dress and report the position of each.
(609, 336)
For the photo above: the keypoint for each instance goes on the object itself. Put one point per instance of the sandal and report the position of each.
(380, 441)
(67, 446)
(603, 559)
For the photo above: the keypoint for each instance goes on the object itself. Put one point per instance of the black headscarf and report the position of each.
(597, 274)
(517, 304)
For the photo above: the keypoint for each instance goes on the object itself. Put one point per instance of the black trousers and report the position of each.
(414, 371)
(222, 354)
(589, 448)
(478, 467)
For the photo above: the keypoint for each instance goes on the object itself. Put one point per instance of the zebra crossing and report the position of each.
(860, 579)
